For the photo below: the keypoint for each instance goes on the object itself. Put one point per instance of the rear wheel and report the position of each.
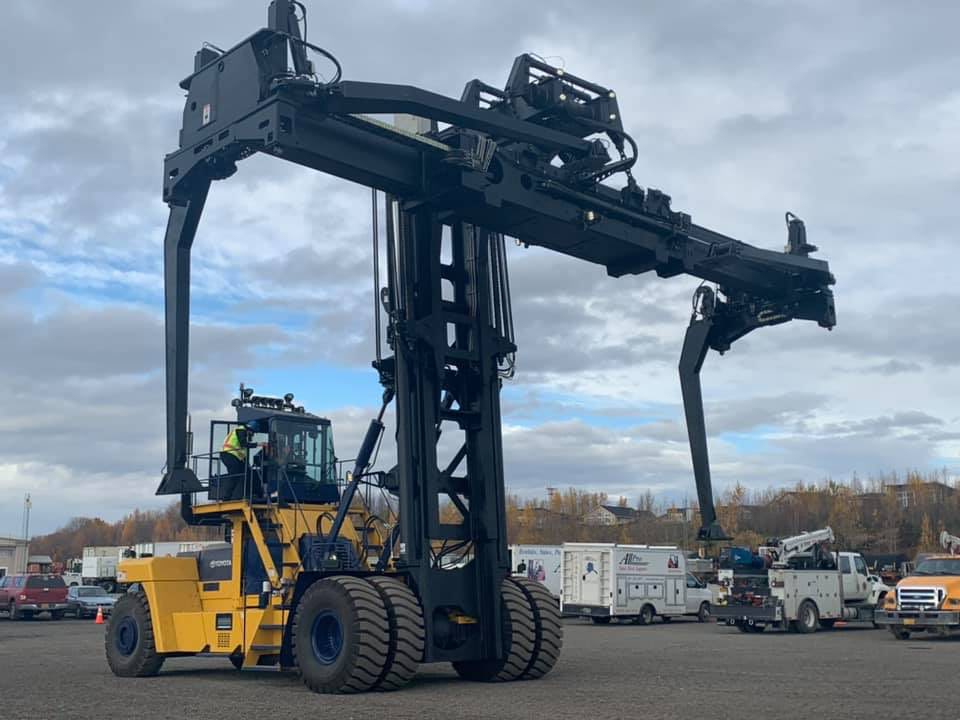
(549, 628)
(56, 615)
(407, 635)
(899, 632)
(519, 636)
(828, 623)
(647, 613)
(808, 619)
(703, 614)
(341, 636)
(129, 640)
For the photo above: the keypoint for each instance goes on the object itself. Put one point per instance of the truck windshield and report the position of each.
(90, 592)
(939, 566)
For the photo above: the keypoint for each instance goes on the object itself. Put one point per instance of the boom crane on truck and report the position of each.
(527, 161)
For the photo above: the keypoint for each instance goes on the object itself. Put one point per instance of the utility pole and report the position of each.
(25, 530)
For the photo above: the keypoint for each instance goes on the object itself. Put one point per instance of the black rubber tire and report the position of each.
(756, 629)
(743, 627)
(828, 623)
(407, 634)
(600, 620)
(13, 613)
(144, 660)
(899, 632)
(703, 614)
(519, 634)
(647, 614)
(665, 618)
(56, 615)
(365, 635)
(549, 628)
(236, 661)
(808, 619)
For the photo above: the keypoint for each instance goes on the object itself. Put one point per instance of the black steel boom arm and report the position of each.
(526, 161)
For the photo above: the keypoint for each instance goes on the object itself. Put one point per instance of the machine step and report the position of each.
(266, 648)
(271, 627)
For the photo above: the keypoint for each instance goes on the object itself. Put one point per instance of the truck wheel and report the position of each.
(899, 632)
(519, 632)
(341, 635)
(600, 620)
(703, 614)
(407, 634)
(548, 626)
(808, 619)
(56, 615)
(109, 587)
(647, 613)
(129, 641)
(828, 623)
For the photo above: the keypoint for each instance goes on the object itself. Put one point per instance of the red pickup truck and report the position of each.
(23, 596)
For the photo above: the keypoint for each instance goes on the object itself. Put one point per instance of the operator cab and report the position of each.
(290, 454)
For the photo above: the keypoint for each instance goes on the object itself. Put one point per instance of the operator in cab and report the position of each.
(233, 455)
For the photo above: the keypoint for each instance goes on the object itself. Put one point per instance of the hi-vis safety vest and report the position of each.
(233, 446)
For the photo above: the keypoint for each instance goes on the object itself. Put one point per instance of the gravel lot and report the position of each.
(681, 670)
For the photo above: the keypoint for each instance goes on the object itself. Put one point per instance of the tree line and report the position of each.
(136, 527)
(886, 514)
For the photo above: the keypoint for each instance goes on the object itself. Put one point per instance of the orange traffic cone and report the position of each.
(99, 620)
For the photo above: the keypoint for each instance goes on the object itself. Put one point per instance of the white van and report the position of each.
(603, 581)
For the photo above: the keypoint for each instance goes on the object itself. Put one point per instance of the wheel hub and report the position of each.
(327, 637)
(127, 636)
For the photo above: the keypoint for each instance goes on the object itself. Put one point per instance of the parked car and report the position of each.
(85, 599)
(23, 596)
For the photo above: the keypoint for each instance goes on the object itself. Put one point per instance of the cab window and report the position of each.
(692, 582)
(845, 564)
(860, 565)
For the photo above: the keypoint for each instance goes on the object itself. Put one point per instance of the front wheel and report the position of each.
(129, 640)
(703, 614)
(56, 615)
(899, 632)
(341, 636)
(808, 618)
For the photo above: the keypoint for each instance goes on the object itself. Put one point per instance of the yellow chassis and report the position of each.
(190, 616)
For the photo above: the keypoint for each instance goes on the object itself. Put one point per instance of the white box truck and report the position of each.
(100, 570)
(538, 562)
(604, 581)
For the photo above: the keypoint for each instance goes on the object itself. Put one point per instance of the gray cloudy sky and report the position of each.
(844, 113)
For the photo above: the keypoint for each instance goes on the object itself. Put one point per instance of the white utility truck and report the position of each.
(538, 562)
(606, 581)
(799, 585)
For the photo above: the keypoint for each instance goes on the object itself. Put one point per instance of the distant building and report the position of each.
(39, 564)
(13, 556)
(909, 494)
(681, 514)
(610, 515)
